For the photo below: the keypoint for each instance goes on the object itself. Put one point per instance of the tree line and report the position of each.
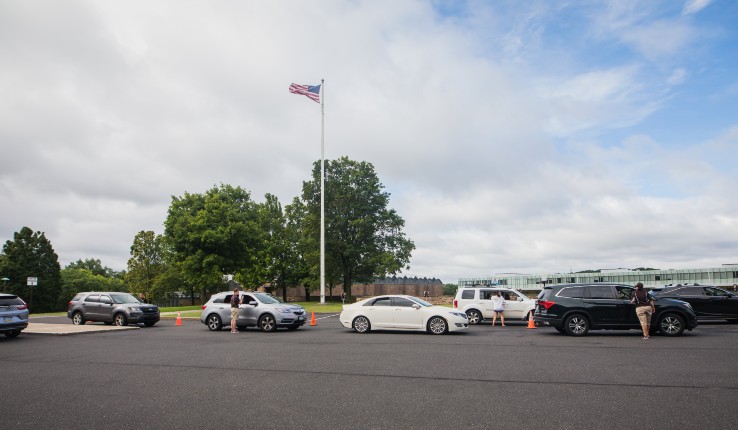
(223, 233)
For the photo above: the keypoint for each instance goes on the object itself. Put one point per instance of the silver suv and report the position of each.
(13, 315)
(111, 308)
(257, 309)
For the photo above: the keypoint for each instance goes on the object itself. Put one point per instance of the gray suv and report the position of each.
(13, 315)
(111, 308)
(257, 309)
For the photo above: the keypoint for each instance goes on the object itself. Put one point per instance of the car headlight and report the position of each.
(459, 314)
(134, 309)
(285, 311)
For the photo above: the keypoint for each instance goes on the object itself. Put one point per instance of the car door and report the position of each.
(515, 306)
(105, 308)
(722, 303)
(695, 296)
(91, 307)
(380, 313)
(248, 314)
(483, 300)
(623, 293)
(603, 307)
(405, 315)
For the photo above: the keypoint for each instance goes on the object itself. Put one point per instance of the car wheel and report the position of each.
(361, 325)
(576, 325)
(437, 325)
(267, 323)
(149, 324)
(12, 333)
(120, 319)
(474, 316)
(214, 323)
(671, 325)
(78, 319)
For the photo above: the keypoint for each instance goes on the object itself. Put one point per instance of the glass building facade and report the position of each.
(726, 277)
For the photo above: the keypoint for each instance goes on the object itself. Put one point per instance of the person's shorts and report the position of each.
(644, 314)
(234, 313)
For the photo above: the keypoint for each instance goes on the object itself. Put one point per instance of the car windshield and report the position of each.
(123, 298)
(422, 302)
(266, 298)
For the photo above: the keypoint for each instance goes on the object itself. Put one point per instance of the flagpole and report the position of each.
(322, 191)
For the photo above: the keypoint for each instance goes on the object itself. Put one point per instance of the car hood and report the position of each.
(291, 308)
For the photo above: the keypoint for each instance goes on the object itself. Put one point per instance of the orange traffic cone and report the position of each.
(312, 320)
(179, 319)
(531, 323)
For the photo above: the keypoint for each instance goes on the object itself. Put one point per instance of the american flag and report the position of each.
(311, 91)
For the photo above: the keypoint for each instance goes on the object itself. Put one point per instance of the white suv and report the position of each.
(476, 302)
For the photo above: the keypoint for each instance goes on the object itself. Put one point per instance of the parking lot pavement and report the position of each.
(326, 376)
(69, 329)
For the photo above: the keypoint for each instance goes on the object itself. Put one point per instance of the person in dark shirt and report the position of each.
(235, 301)
(644, 308)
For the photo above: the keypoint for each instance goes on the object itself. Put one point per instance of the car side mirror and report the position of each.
(254, 303)
(416, 306)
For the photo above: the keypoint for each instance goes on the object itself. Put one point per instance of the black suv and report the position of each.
(577, 308)
(111, 308)
(709, 303)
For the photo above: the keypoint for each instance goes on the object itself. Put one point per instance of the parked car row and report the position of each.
(574, 309)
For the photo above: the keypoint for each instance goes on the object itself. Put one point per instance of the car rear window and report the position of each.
(78, 297)
(572, 292)
(467, 294)
(10, 301)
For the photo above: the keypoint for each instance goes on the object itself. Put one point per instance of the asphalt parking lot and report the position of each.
(183, 377)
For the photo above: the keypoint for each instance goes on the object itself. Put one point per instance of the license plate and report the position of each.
(7, 319)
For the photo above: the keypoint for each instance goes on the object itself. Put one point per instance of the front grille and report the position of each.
(298, 312)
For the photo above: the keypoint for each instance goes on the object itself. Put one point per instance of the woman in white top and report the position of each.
(498, 305)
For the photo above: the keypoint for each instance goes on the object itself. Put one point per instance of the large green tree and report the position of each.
(213, 235)
(364, 238)
(146, 264)
(76, 280)
(95, 266)
(30, 254)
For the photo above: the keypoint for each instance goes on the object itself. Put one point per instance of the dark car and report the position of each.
(111, 308)
(13, 315)
(576, 309)
(709, 303)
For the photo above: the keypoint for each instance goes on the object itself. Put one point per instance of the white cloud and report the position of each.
(694, 6)
(498, 159)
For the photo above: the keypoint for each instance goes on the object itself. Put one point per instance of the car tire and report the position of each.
(213, 322)
(576, 325)
(267, 323)
(78, 319)
(671, 324)
(361, 324)
(474, 316)
(437, 325)
(120, 319)
(12, 333)
(149, 324)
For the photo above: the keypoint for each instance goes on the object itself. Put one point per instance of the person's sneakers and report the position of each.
(646, 337)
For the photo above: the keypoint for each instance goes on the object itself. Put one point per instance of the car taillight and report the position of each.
(456, 303)
(22, 307)
(204, 306)
(546, 304)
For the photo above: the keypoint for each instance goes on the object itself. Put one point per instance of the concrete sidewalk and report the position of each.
(69, 329)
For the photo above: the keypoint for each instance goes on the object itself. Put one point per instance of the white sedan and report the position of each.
(395, 312)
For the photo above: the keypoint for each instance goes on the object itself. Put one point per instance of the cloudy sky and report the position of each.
(513, 136)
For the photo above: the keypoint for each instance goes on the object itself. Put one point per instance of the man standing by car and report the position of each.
(235, 301)
(644, 308)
